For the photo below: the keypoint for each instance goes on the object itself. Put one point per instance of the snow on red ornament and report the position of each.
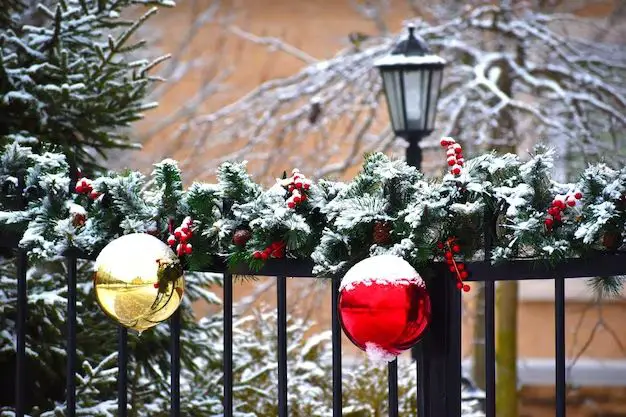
(384, 306)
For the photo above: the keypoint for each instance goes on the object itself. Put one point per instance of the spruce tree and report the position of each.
(68, 77)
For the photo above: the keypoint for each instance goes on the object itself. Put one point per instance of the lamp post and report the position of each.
(412, 77)
(412, 80)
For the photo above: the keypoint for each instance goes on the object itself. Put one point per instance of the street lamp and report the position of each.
(412, 79)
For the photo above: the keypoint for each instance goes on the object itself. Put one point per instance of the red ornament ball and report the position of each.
(384, 306)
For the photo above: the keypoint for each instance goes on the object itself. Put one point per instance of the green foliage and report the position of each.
(334, 224)
(68, 76)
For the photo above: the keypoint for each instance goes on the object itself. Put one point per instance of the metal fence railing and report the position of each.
(438, 368)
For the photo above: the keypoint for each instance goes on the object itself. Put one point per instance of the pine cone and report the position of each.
(241, 237)
(382, 233)
(78, 219)
(612, 240)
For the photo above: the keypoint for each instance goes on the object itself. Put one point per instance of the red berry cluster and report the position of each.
(297, 184)
(451, 247)
(558, 207)
(454, 154)
(181, 235)
(83, 186)
(275, 250)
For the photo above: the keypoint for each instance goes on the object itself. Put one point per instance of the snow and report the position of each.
(381, 270)
(376, 353)
(397, 59)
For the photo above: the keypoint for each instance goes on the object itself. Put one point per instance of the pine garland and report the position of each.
(333, 222)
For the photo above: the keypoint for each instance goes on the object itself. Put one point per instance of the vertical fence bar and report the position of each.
(175, 364)
(452, 346)
(490, 349)
(392, 378)
(282, 345)
(336, 344)
(22, 306)
(489, 233)
(122, 371)
(228, 345)
(71, 337)
(439, 359)
(559, 315)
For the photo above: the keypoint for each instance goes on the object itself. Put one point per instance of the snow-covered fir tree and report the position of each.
(68, 76)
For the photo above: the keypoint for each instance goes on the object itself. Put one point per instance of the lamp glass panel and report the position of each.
(393, 90)
(415, 93)
(435, 88)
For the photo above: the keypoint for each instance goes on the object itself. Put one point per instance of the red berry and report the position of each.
(94, 195)
(552, 211)
(267, 250)
(86, 184)
(549, 222)
(459, 285)
(291, 188)
(444, 142)
(291, 204)
(156, 285)
(450, 262)
(571, 202)
(452, 269)
(178, 232)
(439, 245)
(456, 170)
(464, 274)
(79, 188)
(264, 256)
(298, 184)
(578, 195)
(460, 267)
(297, 199)
(458, 149)
(466, 288)
(256, 254)
(557, 218)
(460, 161)
(456, 248)
(448, 255)
(188, 248)
(451, 161)
(185, 228)
(306, 185)
(180, 247)
(171, 240)
(561, 204)
(303, 197)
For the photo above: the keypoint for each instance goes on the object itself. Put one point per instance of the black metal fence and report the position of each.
(438, 368)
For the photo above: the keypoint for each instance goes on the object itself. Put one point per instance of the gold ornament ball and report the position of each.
(138, 281)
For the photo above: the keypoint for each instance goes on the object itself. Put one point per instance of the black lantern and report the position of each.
(412, 77)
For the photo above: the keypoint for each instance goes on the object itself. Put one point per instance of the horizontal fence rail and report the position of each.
(439, 353)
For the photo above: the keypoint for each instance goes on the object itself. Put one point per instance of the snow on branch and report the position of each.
(512, 76)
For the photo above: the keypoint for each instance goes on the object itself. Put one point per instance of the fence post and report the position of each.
(439, 353)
